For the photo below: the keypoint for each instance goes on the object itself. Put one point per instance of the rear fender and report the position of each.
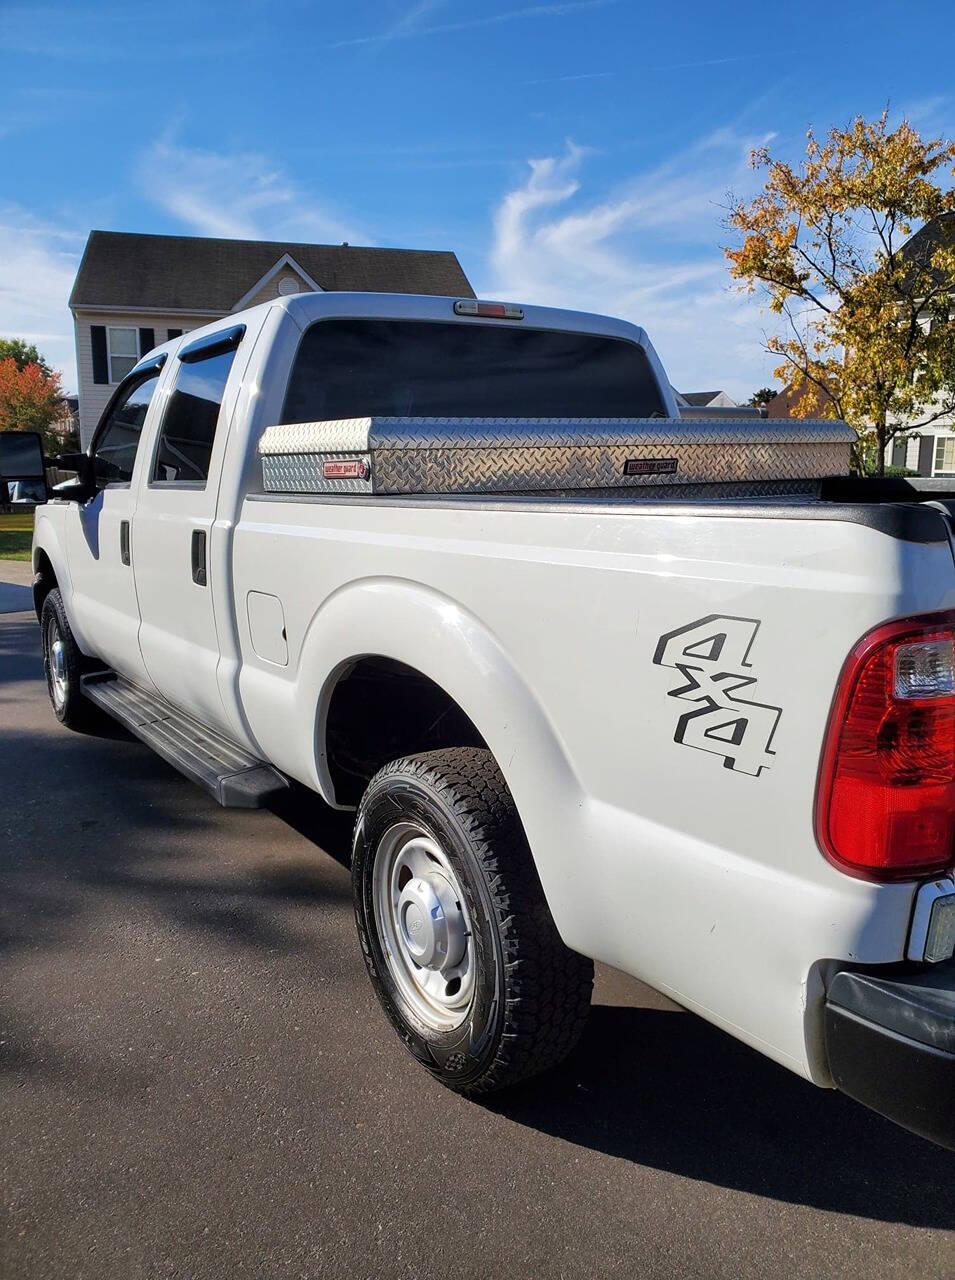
(433, 634)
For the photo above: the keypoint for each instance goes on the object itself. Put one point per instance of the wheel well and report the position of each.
(44, 580)
(380, 710)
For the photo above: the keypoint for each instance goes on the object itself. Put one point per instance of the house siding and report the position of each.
(920, 454)
(93, 396)
(944, 430)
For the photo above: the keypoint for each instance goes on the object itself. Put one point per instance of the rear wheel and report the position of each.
(457, 936)
(62, 664)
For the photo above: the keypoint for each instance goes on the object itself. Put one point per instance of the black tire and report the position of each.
(531, 993)
(69, 705)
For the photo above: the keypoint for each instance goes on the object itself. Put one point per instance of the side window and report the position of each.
(114, 449)
(189, 424)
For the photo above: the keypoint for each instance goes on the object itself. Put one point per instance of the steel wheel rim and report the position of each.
(56, 664)
(423, 925)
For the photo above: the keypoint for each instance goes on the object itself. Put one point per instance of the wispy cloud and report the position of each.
(411, 19)
(558, 10)
(644, 71)
(108, 32)
(928, 113)
(648, 250)
(705, 62)
(33, 108)
(39, 265)
(240, 195)
(584, 75)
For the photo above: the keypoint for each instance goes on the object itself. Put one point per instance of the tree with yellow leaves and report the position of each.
(867, 308)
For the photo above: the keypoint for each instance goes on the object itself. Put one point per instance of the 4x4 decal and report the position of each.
(712, 654)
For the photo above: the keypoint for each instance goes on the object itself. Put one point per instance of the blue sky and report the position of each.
(576, 153)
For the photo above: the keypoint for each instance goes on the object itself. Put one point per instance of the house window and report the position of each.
(945, 455)
(123, 347)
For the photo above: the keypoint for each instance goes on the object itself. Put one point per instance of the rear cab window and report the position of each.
(354, 368)
(184, 448)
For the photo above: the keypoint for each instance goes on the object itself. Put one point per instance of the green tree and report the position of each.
(866, 311)
(759, 399)
(23, 353)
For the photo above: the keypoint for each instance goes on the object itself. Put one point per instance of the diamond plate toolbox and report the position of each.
(515, 455)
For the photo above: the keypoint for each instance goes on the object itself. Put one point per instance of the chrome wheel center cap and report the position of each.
(431, 923)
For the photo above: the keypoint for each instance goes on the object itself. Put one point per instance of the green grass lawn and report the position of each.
(16, 536)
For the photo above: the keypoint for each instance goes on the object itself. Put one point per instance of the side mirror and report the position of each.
(22, 466)
(70, 461)
(83, 487)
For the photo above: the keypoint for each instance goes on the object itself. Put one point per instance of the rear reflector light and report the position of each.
(886, 799)
(940, 936)
(490, 310)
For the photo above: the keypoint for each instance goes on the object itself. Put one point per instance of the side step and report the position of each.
(228, 772)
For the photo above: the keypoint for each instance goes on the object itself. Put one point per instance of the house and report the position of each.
(810, 401)
(66, 427)
(134, 291)
(706, 400)
(930, 451)
(924, 453)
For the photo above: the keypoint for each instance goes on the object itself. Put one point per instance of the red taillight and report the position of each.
(885, 807)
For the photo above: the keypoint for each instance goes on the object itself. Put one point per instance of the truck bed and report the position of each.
(914, 510)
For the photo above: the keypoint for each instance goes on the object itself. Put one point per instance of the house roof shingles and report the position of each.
(697, 399)
(920, 247)
(193, 273)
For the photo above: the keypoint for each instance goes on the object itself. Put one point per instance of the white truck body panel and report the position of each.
(104, 602)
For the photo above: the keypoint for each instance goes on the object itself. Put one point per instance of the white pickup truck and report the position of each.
(602, 681)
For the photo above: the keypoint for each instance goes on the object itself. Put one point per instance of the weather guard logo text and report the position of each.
(712, 655)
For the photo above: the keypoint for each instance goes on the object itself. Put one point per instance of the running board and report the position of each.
(228, 772)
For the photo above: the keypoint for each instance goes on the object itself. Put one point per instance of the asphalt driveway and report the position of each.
(195, 1080)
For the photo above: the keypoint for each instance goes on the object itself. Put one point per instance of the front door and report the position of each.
(103, 606)
(175, 513)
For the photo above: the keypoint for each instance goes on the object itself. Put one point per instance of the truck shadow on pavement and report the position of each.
(329, 829)
(15, 598)
(83, 819)
(668, 1090)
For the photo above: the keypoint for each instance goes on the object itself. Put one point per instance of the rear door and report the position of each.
(99, 531)
(175, 512)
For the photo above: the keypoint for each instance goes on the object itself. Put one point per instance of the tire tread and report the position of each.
(547, 986)
(77, 712)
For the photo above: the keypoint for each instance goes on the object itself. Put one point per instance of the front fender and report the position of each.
(50, 538)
